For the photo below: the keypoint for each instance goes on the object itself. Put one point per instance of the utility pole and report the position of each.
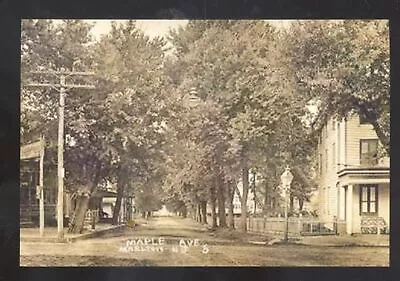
(61, 74)
(60, 161)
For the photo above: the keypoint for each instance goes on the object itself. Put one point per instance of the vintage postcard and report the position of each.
(205, 143)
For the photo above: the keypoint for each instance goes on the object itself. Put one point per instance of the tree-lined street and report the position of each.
(184, 120)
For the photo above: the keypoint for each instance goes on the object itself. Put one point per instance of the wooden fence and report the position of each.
(296, 226)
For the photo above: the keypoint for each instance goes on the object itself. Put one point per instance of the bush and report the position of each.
(131, 223)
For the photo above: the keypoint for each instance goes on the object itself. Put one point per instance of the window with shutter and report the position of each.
(368, 152)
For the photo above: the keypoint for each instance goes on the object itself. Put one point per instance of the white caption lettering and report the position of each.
(158, 244)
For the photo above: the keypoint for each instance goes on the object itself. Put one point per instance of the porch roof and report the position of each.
(364, 176)
(32, 150)
(104, 193)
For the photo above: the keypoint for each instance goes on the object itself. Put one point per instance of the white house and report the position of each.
(237, 204)
(354, 183)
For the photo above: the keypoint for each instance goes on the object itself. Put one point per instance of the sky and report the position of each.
(154, 28)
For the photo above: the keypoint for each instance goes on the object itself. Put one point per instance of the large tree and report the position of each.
(344, 65)
(190, 159)
(131, 66)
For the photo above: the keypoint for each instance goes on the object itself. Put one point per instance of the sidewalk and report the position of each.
(50, 233)
(356, 240)
(360, 240)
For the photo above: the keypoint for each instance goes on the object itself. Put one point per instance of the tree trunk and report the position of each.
(117, 208)
(301, 203)
(203, 207)
(193, 212)
(245, 181)
(265, 207)
(213, 212)
(385, 140)
(78, 218)
(120, 192)
(372, 118)
(184, 212)
(221, 203)
(198, 213)
(82, 203)
(254, 193)
(231, 219)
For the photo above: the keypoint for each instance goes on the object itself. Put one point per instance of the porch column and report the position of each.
(349, 209)
(342, 203)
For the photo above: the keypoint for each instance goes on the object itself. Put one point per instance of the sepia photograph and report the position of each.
(205, 143)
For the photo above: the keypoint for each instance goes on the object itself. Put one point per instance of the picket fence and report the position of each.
(296, 226)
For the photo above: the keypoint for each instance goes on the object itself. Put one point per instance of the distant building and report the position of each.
(163, 212)
(354, 182)
(105, 200)
(237, 204)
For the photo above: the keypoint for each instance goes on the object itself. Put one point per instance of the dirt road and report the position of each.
(170, 241)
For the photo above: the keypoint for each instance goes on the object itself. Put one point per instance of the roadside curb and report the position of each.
(299, 242)
(98, 233)
(83, 236)
(341, 245)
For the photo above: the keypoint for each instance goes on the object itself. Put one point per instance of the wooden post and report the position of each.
(285, 238)
(264, 220)
(41, 198)
(254, 192)
(335, 225)
(93, 219)
(250, 224)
